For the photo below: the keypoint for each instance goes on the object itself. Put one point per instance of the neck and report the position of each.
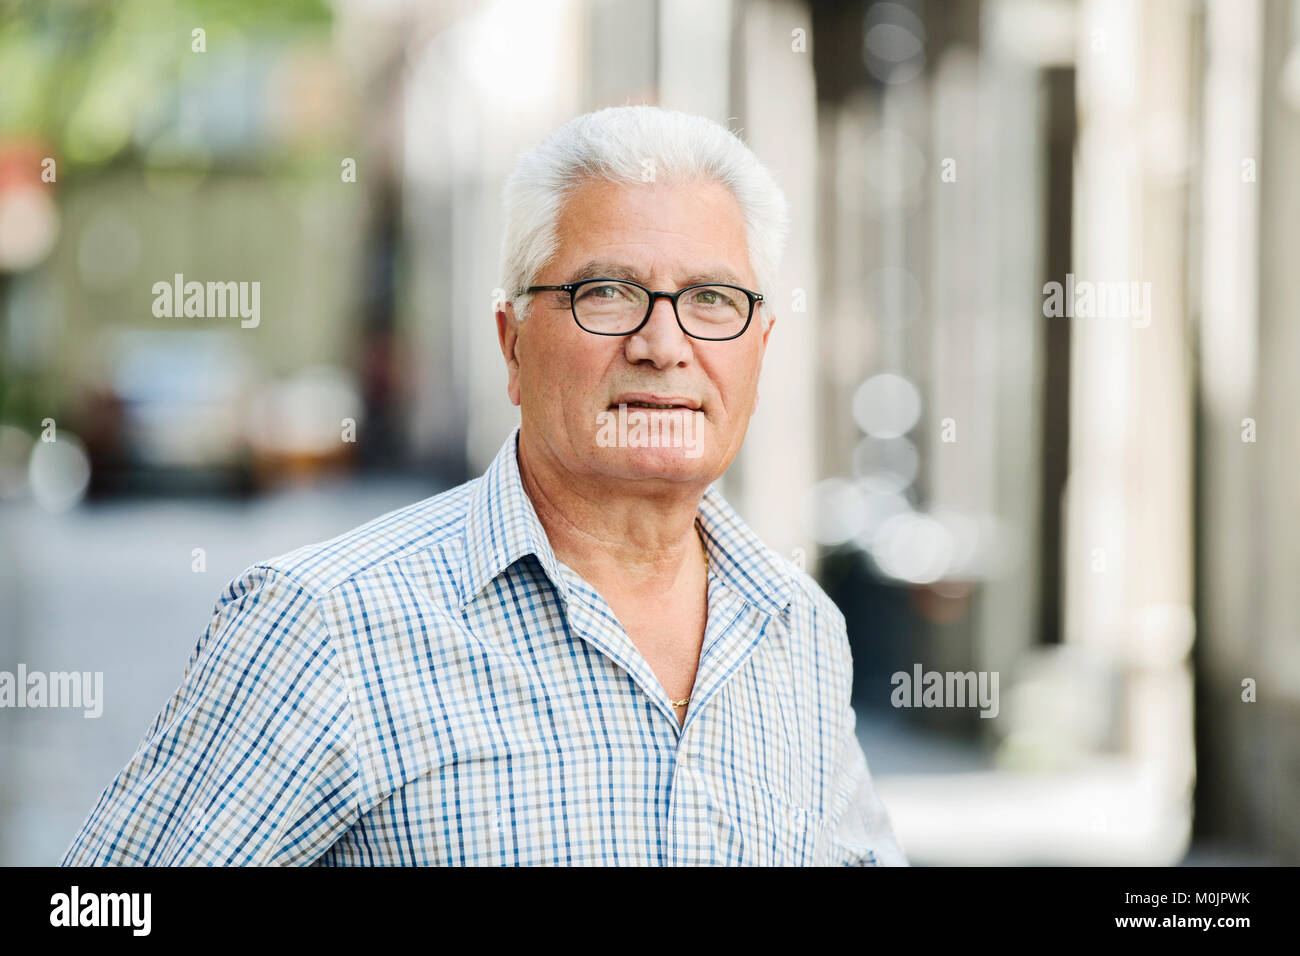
(615, 535)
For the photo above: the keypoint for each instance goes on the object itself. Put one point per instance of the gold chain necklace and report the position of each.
(705, 551)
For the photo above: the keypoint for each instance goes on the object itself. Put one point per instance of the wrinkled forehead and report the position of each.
(612, 267)
(693, 229)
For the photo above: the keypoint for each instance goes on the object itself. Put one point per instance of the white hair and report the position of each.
(620, 145)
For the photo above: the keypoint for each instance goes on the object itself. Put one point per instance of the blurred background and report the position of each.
(1101, 509)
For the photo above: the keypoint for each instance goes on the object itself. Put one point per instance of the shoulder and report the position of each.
(431, 524)
(826, 621)
(808, 593)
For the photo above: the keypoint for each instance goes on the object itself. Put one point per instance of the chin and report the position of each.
(668, 464)
(648, 444)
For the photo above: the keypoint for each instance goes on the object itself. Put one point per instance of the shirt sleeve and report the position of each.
(864, 829)
(253, 760)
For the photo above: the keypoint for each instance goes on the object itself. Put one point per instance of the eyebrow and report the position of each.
(610, 269)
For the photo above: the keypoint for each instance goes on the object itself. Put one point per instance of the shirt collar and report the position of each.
(741, 559)
(502, 526)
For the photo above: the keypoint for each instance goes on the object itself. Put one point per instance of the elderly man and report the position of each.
(583, 656)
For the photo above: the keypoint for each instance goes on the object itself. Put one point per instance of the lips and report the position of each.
(655, 401)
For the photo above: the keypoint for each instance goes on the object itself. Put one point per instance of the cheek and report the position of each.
(562, 380)
(738, 384)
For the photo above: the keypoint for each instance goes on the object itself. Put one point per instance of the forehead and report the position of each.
(689, 231)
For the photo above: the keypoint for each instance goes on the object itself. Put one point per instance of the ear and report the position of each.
(763, 351)
(508, 338)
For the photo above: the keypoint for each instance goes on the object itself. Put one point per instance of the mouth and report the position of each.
(661, 402)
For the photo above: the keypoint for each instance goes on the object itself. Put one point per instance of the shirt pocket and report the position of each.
(790, 835)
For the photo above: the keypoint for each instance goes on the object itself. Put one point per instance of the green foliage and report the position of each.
(84, 75)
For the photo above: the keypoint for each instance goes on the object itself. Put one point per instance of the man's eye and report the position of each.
(712, 297)
(600, 292)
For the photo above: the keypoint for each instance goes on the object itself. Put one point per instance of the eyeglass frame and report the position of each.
(754, 299)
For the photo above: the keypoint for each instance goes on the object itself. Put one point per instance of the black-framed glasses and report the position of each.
(711, 311)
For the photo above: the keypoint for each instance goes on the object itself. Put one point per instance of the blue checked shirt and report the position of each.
(434, 687)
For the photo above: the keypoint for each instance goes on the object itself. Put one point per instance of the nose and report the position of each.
(661, 341)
